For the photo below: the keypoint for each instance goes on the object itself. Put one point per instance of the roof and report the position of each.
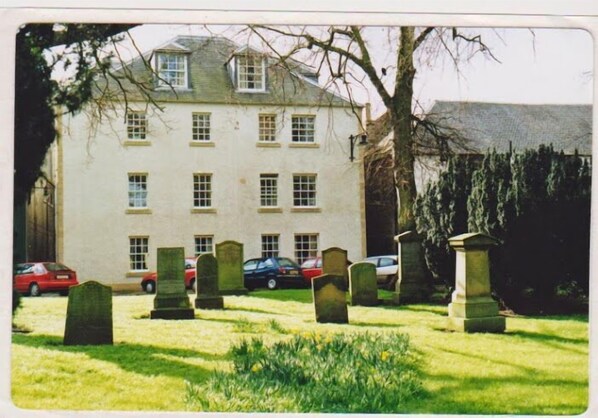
(211, 82)
(525, 126)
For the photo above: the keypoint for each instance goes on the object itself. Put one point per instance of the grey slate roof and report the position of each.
(494, 125)
(210, 81)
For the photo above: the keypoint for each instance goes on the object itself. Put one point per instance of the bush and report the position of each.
(314, 373)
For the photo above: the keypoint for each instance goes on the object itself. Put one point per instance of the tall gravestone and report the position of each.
(472, 308)
(413, 284)
(334, 261)
(206, 278)
(230, 268)
(330, 300)
(363, 288)
(171, 300)
(89, 315)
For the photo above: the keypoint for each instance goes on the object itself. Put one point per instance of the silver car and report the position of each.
(387, 269)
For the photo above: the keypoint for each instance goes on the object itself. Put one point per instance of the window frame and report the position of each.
(267, 128)
(197, 198)
(143, 255)
(196, 245)
(270, 245)
(140, 195)
(301, 133)
(136, 123)
(303, 197)
(312, 246)
(269, 192)
(238, 73)
(162, 81)
(206, 129)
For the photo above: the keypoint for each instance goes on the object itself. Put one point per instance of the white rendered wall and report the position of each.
(96, 228)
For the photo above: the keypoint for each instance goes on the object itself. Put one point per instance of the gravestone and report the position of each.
(89, 315)
(171, 300)
(334, 261)
(330, 300)
(472, 308)
(230, 268)
(206, 278)
(413, 284)
(363, 288)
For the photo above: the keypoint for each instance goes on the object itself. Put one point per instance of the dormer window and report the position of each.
(171, 69)
(251, 73)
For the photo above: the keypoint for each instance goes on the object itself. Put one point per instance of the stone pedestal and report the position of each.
(472, 309)
(334, 262)
(206, 277)
(230, 268)
(330, 300)
(89, 315)
(363, 289)
(413, 284)
(171, 301)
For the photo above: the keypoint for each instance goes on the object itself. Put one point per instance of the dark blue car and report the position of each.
(272, 273)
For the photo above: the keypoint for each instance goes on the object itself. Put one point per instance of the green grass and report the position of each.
(539, 366)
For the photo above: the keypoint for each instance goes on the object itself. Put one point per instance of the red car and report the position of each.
(148, 282)
(311, 268)
(40, 277)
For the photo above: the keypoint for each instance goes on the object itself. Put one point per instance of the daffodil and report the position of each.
(256, 367)
(384, 355)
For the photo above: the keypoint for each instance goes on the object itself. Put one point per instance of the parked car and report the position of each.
(272, 273)
(387, 269)
(42, 277)
(312, 267)
(148, 282)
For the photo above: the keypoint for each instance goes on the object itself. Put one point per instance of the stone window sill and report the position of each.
(203, 210)
(303, 145)
(268, 144)
(202, 144)
(138, 211)
(137, 143)
(136, 273)
(269, 210)
(306, 210)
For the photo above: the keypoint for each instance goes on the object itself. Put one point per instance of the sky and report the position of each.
(551, 66)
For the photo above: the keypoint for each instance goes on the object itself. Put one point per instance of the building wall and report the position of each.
(95, 227)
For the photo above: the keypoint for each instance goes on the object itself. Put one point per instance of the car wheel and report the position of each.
(34, 290)
(272, 283)
(150, 287)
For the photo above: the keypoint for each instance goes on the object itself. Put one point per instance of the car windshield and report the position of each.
(23, 268)
(190, 263)
(285, 262)
(309, 264)
(55, 267)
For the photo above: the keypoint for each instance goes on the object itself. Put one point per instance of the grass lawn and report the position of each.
(539, 366)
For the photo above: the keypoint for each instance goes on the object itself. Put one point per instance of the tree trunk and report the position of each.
(401, 121)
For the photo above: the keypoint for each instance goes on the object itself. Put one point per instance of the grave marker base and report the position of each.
(209, 302)
(493, 324)
(173, 313)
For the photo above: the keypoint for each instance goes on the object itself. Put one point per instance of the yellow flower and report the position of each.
(384, 355)
(256, 367)
(319, 347)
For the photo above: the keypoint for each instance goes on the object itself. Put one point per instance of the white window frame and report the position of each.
(136, 126)
(303, 129)
(243, 64)
(267, 128)
(138, 253)
(137, 190)
(304, 190)
(202, 197)
(201, 129)
(203, 244)
(180, 79)
(270, 245)
(306, 246)
(268, 190)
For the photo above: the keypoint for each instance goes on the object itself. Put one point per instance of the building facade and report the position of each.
(241, 150)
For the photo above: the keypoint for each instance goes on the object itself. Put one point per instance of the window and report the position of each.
(201, 127)
(269, 189)
(304, 190)
(251, 72)
(203, 244)
(136, 125)
(387, 262)
(303, 128)
(267, 128)
(138, 250)
(137, 190)
(202, 190)
(306, 246)
(269, 246)
(250, 265)
(172, 70)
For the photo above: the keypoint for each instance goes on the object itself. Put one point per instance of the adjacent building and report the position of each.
(243, 148)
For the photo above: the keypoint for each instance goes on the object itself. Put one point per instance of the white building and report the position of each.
(243, 150)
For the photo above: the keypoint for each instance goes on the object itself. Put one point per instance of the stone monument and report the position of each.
(413, 284)
(89, 315)
(334, 261)
(330, 301)
(206, 278)
(171, 300)
(472, 308)
(230, 268)
(363, 289)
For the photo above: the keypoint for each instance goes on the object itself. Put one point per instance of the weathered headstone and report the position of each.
(413, 284)
(206, 278)
(330, 300)
(171, 300)
(230, 268)
(89, 315)
(334, 261)
(363, 288)
(472, 308)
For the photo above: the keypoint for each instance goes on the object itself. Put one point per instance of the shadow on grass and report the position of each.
(147, 360)
(284, 295)
(256, 310)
